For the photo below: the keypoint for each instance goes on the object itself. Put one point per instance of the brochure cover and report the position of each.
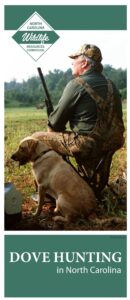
(65, 233)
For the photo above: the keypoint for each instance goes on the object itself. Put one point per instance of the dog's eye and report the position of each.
(21, 148)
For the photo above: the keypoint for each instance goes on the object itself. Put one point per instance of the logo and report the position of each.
(35, 36)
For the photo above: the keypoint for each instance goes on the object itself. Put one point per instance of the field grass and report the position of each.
(20, 123)
(119, 163)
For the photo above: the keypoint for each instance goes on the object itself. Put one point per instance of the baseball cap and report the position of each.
(90, 51)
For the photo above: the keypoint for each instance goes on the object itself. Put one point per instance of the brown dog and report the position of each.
(57, 178)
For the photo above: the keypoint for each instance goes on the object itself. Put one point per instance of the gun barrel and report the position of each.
(48, 99)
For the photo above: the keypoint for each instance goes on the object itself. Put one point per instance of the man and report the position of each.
(92, 106)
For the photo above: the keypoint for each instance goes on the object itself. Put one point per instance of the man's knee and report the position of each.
(39, 134)
(54, 140)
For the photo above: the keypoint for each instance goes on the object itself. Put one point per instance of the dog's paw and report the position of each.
(60, 218)
(56, 210)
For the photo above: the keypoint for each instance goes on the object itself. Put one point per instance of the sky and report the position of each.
(20, 66)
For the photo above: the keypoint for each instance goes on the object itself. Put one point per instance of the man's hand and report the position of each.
(49, 129)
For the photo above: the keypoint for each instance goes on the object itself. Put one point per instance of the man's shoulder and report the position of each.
(72, 82)
(72, 85)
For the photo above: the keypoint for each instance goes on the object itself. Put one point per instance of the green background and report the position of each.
(72, 17)
(41, 280)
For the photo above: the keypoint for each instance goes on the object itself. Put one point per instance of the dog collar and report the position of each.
(41, 154)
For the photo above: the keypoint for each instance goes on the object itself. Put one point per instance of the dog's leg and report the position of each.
(41, 196)
(56, 210)
(60, 208)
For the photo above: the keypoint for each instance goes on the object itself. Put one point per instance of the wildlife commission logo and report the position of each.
(35, 36)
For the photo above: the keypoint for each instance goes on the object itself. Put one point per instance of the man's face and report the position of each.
(78, 65)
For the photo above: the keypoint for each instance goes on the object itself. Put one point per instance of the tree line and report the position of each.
(31, 93)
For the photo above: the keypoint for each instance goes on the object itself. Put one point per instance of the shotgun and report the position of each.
(48, 103)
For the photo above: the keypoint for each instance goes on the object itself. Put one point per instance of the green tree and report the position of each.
(31, 93)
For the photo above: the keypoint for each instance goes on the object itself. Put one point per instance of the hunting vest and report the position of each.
(109, 127)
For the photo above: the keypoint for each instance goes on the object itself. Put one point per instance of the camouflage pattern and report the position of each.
(100, 144)
(65, 143)
(90, 51)
(109, 127)
(107, 137)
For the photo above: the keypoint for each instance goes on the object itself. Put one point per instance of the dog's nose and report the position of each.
(13, 157)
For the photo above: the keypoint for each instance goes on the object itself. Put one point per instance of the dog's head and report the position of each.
(29, 148)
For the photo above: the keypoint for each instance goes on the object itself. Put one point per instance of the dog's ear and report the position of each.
(32, 144)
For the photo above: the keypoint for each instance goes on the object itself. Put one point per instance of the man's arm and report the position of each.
(60, 116)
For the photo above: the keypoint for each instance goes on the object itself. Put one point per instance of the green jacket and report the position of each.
(77, 107)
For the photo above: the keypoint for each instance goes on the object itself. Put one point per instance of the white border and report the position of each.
(46, 2)
(66, 2)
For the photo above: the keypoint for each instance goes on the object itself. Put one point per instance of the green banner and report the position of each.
(70, 17)
(65, 266)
